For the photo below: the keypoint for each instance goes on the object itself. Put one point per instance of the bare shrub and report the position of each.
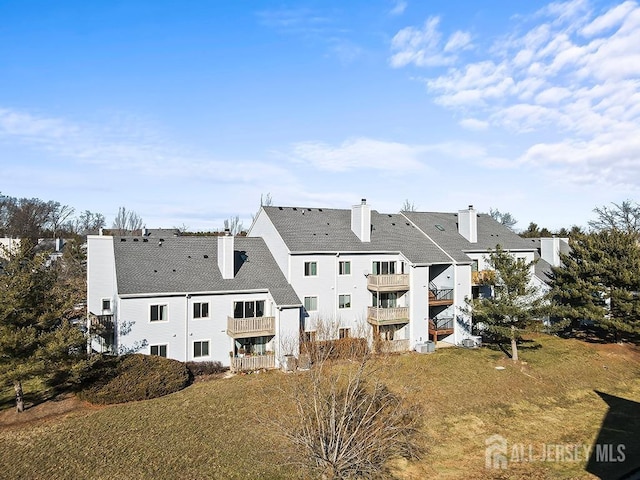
(344, 423)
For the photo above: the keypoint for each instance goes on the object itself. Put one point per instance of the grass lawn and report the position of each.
(216, 429)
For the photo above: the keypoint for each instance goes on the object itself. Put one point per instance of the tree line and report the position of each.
(34, 218)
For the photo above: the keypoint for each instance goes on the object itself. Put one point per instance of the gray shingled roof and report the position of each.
(189, 265)
(490, 234)
(329, 230)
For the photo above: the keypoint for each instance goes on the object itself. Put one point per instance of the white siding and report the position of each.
(419, 310)
(262, 227)
(101, 272)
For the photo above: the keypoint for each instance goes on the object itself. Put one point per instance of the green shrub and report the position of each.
(205, 368)
(133, 377)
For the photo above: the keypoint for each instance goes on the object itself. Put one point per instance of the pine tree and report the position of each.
(35, 339)
(516, 303)
(600, 281)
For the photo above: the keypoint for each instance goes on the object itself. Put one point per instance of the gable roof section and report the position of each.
(327, 230)
(490, 234)
(190, 265)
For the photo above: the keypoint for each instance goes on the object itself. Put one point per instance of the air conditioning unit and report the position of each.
(426, 347)
(472, 342)
(289, 363)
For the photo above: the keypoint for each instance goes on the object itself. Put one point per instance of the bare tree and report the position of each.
(88, 222)
(265, 201)
(127, 220)
(233, 224)
(59, 214)
(505, 218)
(408, 206)
(346, 423)
(624, 217)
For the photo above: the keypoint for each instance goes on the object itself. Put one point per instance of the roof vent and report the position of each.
(206, 256)
(145, 240)
(123, 239)
(135, 239)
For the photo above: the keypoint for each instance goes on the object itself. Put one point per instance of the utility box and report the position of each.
(426, 347)
(289, 363)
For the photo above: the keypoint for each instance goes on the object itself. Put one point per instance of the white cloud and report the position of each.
(458, 41)
(566, 72)
(474, 124)
(423, 47)
(364, 153)
(399, 7)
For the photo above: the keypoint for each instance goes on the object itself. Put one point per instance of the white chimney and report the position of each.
(226, 255)
(361, 221)
(468, 224)
(550, 249)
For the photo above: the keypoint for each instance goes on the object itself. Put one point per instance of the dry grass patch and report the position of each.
(216, 429)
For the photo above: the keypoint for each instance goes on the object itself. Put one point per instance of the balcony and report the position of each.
(101, 324)
(440, 296)
(388, 283)
(387, 316)
(483, 277)
(253, 362)
(251, 327)
(440, 326)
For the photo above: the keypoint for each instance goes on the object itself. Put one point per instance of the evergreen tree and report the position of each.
(516, 303)
(600, 281)
(35, 339)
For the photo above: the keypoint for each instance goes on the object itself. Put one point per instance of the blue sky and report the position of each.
(187, 112)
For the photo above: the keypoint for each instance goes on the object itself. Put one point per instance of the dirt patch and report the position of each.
(49, 410)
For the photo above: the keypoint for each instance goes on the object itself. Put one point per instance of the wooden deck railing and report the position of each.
(253, 362)
(251, 327)
(387, 316)
(391, 282)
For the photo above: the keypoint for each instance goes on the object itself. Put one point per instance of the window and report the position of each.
(201, 310)
(344, 268)
(383, 268)
(385, 300)
(474, 266)
(344, 301)
(159, 313)
(311, 304)
(250, 309)
(201, 349)
(106, 304)
(159, 350)
(343, 333)
(310, 269)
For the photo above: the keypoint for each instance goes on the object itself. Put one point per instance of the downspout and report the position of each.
(335, 287)
(186, 326)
